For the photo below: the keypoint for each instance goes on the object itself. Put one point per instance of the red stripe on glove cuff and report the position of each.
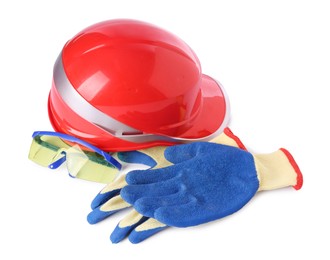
(295, 167)
(229, 133)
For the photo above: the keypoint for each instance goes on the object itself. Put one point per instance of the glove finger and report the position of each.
(180, 216)
(184, 152)
(126, 225)
(180, 153)
(131, 193)
(109, 191)
(148, 205)
(101, 198)
(107, 209)
(151, 176)
(145, 230)
(137, 157)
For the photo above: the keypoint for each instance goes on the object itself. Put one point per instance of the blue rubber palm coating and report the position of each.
(207, 181)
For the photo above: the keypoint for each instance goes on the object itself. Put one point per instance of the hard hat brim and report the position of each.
(213, 116)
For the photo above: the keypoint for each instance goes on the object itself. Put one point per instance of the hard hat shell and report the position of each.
(125, 85)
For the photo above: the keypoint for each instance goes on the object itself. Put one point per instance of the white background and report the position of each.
(273, 58)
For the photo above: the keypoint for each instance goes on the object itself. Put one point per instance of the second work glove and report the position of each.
(206, 182)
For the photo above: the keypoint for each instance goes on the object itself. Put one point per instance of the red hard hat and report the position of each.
(126, 85)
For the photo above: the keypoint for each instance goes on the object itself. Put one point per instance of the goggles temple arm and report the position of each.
(58, 162)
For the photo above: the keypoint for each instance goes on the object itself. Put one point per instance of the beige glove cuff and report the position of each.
(228, 138)
(277, 170)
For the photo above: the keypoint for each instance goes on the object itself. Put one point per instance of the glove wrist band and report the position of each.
(277, 170)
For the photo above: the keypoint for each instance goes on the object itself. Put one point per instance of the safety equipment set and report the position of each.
(126, 91)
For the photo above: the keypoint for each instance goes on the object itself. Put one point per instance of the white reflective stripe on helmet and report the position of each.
(85, 110)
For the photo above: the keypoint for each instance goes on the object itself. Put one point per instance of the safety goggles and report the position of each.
(83, 160)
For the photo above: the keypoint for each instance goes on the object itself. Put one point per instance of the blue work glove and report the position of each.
(206, 182)
(134, 225)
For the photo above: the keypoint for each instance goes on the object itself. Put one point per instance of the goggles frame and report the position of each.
(75, 140)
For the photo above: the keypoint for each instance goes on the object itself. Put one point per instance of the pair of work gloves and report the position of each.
(190, 184)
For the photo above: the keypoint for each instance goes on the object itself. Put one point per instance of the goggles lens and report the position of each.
(84, 161)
